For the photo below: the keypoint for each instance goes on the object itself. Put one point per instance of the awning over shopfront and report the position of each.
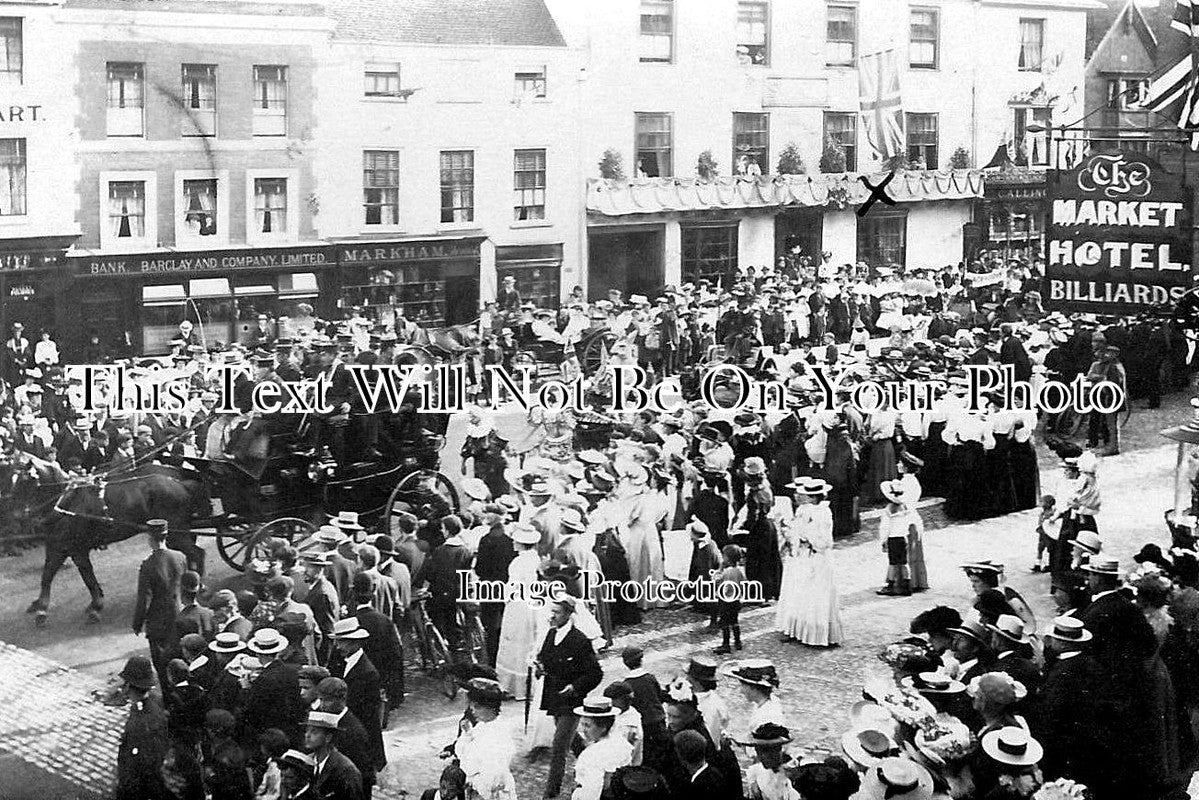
(673, 195)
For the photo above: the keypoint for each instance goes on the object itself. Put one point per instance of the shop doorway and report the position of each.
(627, 260)
(461, 299)
(802, 228)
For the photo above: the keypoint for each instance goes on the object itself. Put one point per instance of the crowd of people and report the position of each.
(280, 684)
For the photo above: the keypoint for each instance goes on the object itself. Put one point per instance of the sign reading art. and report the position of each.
(1119, 236)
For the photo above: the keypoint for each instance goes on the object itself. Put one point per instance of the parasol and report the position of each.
(919, 286)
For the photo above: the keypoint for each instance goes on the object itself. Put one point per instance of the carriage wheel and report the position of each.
(441, 485)
(238, 550)
(593, 353)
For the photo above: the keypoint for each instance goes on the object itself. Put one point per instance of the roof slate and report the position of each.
(518, 23)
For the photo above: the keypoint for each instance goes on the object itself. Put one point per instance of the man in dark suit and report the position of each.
(322, 599)
(1123, 637)
(335, 777)
(507, 299)
(273, 699)
(710, 508)
(571, 671)
(1012, 645)
(981, 356)
(193, 617)
(1063, 716)
(158, 597)
(352, 738)
(1012, 352)
(364, 686)
(494, 555)
(704, 781)
(383, 647)
(78, 443)
(144, 740)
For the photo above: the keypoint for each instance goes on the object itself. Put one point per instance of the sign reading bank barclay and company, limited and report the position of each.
(1119, 236)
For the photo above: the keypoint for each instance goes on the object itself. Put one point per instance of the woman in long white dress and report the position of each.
(808, 609)
(485, 747)
(519, 625)
(640, 532)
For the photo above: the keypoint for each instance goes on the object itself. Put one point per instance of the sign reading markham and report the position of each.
(1119, 238)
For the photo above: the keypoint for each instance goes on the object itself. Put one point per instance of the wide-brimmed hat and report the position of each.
(1153, 554)
(525, 534)
(1011, 628)
(1089, 541)
(349, 628)
(227, 642)
(572, 520)
(138, 672)
(1103, 565)
(992, 567)
(1012, 745)
(596, 705)
(896, 778)
(974, 628)
(347, 521)
(267, 641)
(296, 759)
(594, 457)
(767, 735)
(1069, 629)
(757, 672)
(868, 746)
(933, 683)
(475, 489)
(810, 486)
(320, 558)
(997, 686)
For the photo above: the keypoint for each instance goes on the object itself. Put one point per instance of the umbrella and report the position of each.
(920, 286)
(528, 696)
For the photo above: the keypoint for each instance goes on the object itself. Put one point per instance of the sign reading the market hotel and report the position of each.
(1119, 238)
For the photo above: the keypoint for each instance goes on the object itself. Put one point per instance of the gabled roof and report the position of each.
(1099, 22)
(514, 23)
(1118, 15)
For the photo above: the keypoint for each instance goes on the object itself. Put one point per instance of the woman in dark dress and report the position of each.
(758, 534)
(841, 471)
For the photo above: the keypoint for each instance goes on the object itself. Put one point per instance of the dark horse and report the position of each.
(93, 515)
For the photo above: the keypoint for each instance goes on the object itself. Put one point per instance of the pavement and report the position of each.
(56, 741)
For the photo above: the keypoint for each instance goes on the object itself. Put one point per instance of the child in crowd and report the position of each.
(272, 744)
(1047, 531)
(732, 575)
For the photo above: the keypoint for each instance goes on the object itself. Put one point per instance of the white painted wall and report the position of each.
(755, 241)
(935, 233)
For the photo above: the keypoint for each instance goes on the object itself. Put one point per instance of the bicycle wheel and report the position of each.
(478, 641)
(442, 662)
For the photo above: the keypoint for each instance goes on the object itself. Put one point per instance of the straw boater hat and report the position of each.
(1011, 628)
(267, 641)
(349, 628)
(330, 534)
(896, 778)
(757, 672)
(702, 667)
(868, 746)
(296, 759)
(810, 486)
(597, 705)
(572, 520)
(227, 642)
(1069, 629)
(1013, 746)
(320, 558)
(933, 683)
(1103, 566)
(1088, 541)
(983, 566)
(475, 489)
(347, 521)
(525, 534)
(323, 719)
(973, 627)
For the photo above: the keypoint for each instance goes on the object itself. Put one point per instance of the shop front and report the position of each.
(1013, 210)
(536, 269)
(433, 282)
(141, 298)
(33, 272)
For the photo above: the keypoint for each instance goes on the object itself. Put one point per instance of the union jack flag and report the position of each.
(1174, 92)
(881, 104)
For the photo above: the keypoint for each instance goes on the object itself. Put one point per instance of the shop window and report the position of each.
(654, 145)
(657, 30)
(753, 26)
(529, 182)
(922, 139)
(923, 32)
(383, 80)
(530, 82)
(841, 42)
(457, 186)
(12, 55)
(1032, 44)
(199, 100)
(163, 308)
(710, 251)
(270, 206)
(537, 283)
(882, 238)
(751, 143)
(381, 186)
(270, 101)
(843, 129)
(127, 209)
(12, 177)
(200, 212)
(126, 100)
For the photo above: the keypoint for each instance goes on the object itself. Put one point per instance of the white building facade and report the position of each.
(449, 156)
(667, 80)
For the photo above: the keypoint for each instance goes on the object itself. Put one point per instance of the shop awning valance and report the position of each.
(665, 195)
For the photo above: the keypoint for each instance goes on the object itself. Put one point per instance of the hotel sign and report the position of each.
(1119, 237)
(210, 261)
